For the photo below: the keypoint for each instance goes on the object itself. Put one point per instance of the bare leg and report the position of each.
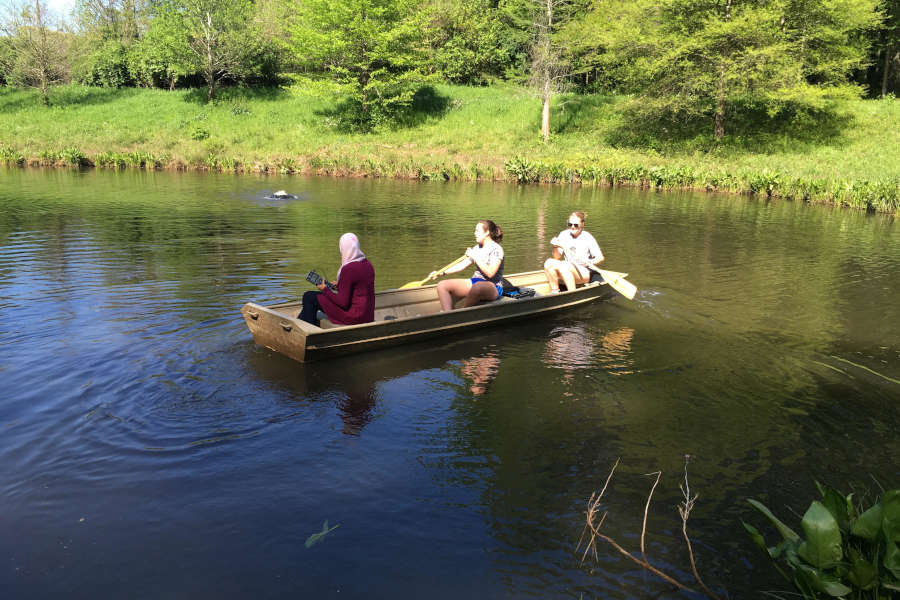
(483, 291)
(450, 289)
(568, 278)
(571, 276)
(551, 273)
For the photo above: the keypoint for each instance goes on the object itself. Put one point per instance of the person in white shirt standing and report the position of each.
(573, 249)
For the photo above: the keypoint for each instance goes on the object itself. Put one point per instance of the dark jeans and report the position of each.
(310, 308)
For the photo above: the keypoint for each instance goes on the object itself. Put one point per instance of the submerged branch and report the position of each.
(594, 523)
(684, 509)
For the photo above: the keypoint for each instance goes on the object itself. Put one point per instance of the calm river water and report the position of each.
(151, 450)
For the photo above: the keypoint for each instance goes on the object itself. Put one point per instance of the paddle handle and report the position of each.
(453, 264)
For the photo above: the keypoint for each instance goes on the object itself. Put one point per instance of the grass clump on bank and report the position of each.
(846, 156)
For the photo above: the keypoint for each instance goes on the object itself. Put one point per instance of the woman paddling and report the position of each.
(354, 300)
(486, 283)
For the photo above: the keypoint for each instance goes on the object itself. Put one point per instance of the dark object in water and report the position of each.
(281, 195)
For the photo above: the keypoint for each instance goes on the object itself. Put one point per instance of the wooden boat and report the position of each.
(406, 315)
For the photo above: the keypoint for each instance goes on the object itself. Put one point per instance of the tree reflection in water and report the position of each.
(480, 371)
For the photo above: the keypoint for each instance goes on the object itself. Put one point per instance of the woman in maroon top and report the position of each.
(354, 300)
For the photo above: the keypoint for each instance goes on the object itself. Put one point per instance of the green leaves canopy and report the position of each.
(695, 58)
(374, 48)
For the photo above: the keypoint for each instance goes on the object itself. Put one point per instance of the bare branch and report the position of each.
(593, 525)
(684, 509)
(646, 510)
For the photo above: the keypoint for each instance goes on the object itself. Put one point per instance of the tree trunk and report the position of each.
(719, 127)
(545, 112)
(887, 68)
(722, 92)
(548, 74)
(210, 65)
(42, 67)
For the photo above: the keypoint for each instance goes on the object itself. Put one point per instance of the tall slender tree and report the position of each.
(550, 64)
(38, 52)
(214, 32)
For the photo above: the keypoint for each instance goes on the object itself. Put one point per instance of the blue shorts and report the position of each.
(499, 287)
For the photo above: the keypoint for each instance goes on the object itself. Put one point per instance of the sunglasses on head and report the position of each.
(574, 224)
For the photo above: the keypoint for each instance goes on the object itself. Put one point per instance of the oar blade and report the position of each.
(619, 283)
(411, 284)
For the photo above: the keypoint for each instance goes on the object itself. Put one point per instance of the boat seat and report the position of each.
(325, 323)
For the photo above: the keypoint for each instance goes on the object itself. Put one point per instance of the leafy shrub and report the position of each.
(107, 67)
(522, 169)
(11, 155)
(73, 156)
(847, 550)
(199, 134)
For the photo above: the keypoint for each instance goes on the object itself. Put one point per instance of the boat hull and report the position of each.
(403, 316)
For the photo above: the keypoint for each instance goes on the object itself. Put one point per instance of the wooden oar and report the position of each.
(413, 284)
(615, 280)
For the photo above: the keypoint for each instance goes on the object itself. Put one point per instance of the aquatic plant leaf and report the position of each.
(838, 505)
(892, 559)
(785, 531)
(868, 525)
(890, 517)
(822, 547)
(822, 582)
(863, 574)
(757, 538)
(317, 537)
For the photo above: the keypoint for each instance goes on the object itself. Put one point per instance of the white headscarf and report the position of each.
(350, 251)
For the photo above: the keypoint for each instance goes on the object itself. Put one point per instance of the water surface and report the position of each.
(151, 450)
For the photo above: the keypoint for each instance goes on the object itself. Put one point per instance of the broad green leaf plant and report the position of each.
(845, 551)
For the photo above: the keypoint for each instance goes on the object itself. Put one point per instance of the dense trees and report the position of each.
(886, 51)
(691, 58)
(684, 59)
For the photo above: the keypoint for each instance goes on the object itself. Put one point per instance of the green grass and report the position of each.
(849, 155)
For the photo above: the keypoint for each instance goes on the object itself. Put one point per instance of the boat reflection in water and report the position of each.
(353, 384)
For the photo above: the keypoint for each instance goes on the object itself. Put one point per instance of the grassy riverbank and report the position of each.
(849, 156)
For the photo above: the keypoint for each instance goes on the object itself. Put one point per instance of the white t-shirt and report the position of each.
(489, 255)
(581, 249)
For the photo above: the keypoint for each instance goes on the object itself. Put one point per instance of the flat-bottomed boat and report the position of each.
(407, 315)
